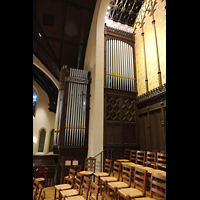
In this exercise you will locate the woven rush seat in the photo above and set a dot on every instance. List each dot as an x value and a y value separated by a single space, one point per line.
111 178
63 187
86 172
75 198
123 160
66 193
118 184
160 172
146 198
101 174
132 192
40 179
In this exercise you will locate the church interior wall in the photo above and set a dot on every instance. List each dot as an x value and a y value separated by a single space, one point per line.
94 61
42 119
150 48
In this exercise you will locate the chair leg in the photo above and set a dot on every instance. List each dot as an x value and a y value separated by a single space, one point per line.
115 193
55 195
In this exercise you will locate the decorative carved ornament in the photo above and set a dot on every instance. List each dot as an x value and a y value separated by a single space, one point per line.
152 93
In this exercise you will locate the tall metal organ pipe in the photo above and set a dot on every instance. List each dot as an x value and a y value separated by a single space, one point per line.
119 65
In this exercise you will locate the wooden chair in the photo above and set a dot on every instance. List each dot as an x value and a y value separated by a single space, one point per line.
38 193
161 161
140 158
126 174
89 167
94 191
157 187
140 179
43 179
106 180
84 189
127 154
151 159
35 189
105 196
69 185
107 170
133 156
42 196
77 187
77 168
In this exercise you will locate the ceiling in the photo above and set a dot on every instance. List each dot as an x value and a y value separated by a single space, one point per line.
60 33
124 11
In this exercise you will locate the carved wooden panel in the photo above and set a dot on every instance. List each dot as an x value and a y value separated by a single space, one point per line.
112 109
128 110
120 118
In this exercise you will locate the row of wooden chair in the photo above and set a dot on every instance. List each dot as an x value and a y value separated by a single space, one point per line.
157 160
123 189
104 177
38 192
75 188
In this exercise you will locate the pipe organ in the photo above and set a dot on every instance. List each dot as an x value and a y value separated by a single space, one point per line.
120 91
119 65
72 108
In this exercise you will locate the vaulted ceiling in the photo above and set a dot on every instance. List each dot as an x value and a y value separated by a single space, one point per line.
124 11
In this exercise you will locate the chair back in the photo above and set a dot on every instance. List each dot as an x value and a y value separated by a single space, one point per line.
107 167
161 160
85 186
35 189
140 157
151 159
42 197
158 185
127 153
78 182
45 173
133 156
94 191
90 164
40 188
105 196
71 177
117 169
127 173
140 179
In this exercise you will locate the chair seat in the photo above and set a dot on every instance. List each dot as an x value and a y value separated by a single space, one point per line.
86 172
145 198
63 187
71 192
79 197
132 192
118 184
101 174
123 160
110 178
40 179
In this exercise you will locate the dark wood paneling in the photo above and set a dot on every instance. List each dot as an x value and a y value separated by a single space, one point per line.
152 121
142 130
120 121
117 134
109 134
155 129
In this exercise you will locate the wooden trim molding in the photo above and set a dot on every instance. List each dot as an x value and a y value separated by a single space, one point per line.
156 92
